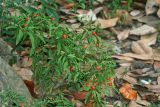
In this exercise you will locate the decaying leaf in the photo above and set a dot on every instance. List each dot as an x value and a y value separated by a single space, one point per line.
123 35
150 20
158 80
127 92
89 16
130 79
122 58
143 30
141 48
24 73
134 104
26 62
106 23
125 14
149 39
135 13
157 65
150 7
142 101
158 13
154 88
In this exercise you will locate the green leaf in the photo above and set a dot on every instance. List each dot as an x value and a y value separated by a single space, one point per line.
19 36
32 38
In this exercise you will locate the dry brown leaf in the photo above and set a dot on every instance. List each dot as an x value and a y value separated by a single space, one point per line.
153 88
156 65
123 35
123 58
158 13
157 1
130 79
26 62
141 48
97 10
158 80
137 56
142 102
149 39
134 104
24 73
143 30
120 72
106 23
124 13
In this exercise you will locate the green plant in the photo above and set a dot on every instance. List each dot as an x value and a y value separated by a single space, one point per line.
11 98
64 59
114 5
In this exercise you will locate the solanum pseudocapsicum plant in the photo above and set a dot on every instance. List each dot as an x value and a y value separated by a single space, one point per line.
65 59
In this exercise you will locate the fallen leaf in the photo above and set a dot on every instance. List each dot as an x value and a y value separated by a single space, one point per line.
127 92
156 65
142 101
123 35
150 7
79 95
133 104
153 88
143 30
31 87
158 13
135 13
122 58
137 56
106 23
150 97
89 16
150 20
26 62
97 10
149 39
158 80
124 13
157 1
129 79
141 48
24 73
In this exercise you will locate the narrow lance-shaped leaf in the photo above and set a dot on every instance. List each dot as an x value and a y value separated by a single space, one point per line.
19 36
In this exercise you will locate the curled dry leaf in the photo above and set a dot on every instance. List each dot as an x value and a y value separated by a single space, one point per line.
127 92
123 35
97 10
143 30
141 48
106 23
